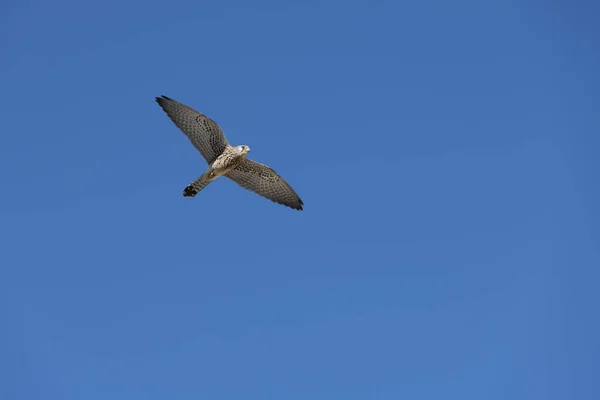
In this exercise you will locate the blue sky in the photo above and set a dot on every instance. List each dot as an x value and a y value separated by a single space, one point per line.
445 153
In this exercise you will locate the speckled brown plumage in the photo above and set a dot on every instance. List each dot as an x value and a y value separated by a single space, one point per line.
225 160
264 181
203 132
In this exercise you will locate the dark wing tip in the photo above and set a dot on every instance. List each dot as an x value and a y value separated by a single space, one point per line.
297 205
161 100
293 206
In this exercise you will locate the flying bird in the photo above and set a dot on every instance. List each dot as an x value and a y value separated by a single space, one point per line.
226 160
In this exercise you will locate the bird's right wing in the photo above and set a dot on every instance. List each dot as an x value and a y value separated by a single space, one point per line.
264 181
203 132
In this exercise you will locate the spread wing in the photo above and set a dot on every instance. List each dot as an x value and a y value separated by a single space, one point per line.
203 132
264 181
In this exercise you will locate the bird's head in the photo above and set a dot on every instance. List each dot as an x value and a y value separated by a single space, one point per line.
243 150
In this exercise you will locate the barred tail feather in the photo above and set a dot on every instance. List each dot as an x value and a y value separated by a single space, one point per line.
195 187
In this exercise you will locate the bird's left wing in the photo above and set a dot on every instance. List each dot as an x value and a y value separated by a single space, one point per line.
203 132
264 181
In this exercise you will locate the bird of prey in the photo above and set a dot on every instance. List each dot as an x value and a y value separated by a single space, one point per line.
224 159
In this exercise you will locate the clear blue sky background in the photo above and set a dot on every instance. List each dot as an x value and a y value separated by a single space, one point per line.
446 153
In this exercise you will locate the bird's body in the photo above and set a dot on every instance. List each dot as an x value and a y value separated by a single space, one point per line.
229 159
226 160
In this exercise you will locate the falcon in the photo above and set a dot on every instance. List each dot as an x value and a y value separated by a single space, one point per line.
226 160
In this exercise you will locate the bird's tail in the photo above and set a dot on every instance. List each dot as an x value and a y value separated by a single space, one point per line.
193 188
